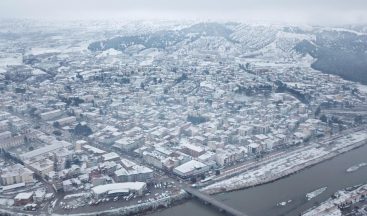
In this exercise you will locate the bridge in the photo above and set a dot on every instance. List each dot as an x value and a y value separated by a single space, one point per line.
210 200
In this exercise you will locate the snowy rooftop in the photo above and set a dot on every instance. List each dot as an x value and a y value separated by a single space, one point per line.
190 166
100 189
94 149
21 196
110 156
193 147
48 148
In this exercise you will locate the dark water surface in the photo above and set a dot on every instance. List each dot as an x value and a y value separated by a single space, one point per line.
262 200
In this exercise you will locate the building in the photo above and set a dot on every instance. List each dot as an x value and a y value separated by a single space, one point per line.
66 120
4 115
254 148
127 187
154 158
126 144
23 198
193 150
41 167
71 184
16 174
51 115
230 154
39 196
79 144
46 149
190 169
132 172
112 156
93 150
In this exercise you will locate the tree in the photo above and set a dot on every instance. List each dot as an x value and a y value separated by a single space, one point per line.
76 161
57 133
323 118
82 130
358 119
318 110
193 180
56 124
196 119
67 164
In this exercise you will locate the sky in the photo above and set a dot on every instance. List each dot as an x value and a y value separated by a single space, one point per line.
321 12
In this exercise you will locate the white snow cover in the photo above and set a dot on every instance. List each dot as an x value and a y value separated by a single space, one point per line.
288 163
110 156
22 196
190 166
135 186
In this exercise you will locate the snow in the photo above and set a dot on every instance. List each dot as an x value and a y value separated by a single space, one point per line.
344 30
93 149
22 196
10 61
110 156
135 186
13 186
6 202
72 196
46 149
288 163
42 50
190 166
193 147
362 88
329 207
38 72
109 52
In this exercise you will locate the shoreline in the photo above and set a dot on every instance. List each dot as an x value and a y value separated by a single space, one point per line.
182 196
294 170
139 209
310 164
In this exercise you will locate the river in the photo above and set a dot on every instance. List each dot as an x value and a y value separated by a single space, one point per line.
262 200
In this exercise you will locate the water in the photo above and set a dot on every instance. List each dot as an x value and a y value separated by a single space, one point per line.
262 200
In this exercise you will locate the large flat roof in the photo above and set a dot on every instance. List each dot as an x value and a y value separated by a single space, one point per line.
190 166
48 148
135 186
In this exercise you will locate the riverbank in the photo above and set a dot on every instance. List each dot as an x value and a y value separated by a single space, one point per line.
288 164
305 157
342 199
139 209
302 159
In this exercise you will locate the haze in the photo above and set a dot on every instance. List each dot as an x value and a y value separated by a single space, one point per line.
325 12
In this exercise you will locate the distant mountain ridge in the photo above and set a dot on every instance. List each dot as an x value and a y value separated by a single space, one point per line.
339 51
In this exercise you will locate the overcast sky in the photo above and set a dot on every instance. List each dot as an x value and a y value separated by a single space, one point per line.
291 11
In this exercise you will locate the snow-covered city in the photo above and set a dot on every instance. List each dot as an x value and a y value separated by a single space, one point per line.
125 117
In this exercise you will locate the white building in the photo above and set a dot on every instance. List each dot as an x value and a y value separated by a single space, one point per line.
41 167
131 172
191 168
130 187
46 149
126 144
66 120
16 174
51 115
